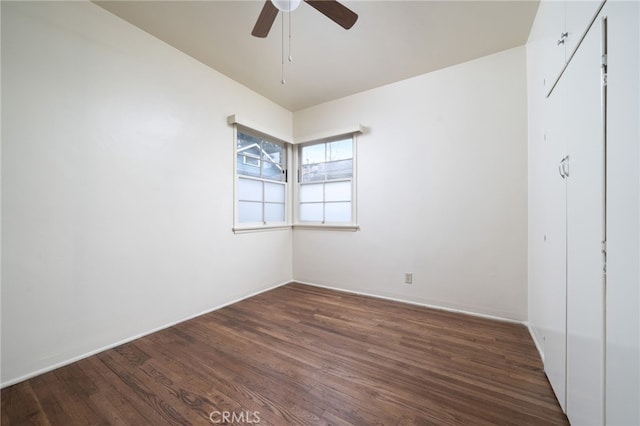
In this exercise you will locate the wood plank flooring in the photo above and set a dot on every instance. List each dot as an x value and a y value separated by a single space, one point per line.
301 355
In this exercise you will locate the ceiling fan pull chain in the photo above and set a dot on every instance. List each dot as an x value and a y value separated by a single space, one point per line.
290 18
282 49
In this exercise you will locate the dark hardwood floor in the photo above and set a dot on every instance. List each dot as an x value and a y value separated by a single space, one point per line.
302 355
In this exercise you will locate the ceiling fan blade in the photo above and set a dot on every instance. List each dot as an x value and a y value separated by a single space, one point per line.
335 11
265 20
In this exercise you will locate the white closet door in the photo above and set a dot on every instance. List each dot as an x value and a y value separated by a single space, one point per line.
623 224
585 232
555 245
551 18
578 14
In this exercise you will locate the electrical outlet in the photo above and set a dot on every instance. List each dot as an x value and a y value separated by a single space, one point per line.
408 278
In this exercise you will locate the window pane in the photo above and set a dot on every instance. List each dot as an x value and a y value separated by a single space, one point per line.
248 165
249 212
249 190
340 150
313 154
272 171
245 141
311 212
337 191
248 155
339 169
337 212
272 152
274 192
327 161
311 192
274 212
313 172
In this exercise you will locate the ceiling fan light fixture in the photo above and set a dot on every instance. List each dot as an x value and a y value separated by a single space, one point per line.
286 5
332 9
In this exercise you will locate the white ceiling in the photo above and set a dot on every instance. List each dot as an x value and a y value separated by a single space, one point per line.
392 40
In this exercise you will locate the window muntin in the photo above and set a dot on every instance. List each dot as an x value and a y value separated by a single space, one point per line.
261 180
326 181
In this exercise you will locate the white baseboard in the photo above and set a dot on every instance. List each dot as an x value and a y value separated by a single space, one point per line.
535 340
411 302
132 338
187 318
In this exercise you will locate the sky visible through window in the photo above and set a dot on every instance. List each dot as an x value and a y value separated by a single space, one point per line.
332 151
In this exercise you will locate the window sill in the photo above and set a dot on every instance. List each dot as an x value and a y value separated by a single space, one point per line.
247 229
351 228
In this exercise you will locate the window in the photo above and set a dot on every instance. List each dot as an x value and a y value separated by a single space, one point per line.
261 180
326 182
251 161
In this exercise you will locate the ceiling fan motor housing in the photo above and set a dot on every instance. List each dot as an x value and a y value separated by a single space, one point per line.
286 5
332 9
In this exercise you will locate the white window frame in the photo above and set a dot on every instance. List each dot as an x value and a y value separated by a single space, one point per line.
260 226
344 226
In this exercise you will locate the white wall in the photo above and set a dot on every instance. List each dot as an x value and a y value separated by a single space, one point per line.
535 291
117 186
442 190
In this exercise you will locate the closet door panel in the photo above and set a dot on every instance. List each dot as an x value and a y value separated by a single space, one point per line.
578 15
623 218
552 17
585 233
555 247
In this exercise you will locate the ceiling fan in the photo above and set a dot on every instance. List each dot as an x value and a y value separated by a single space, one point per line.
333 10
